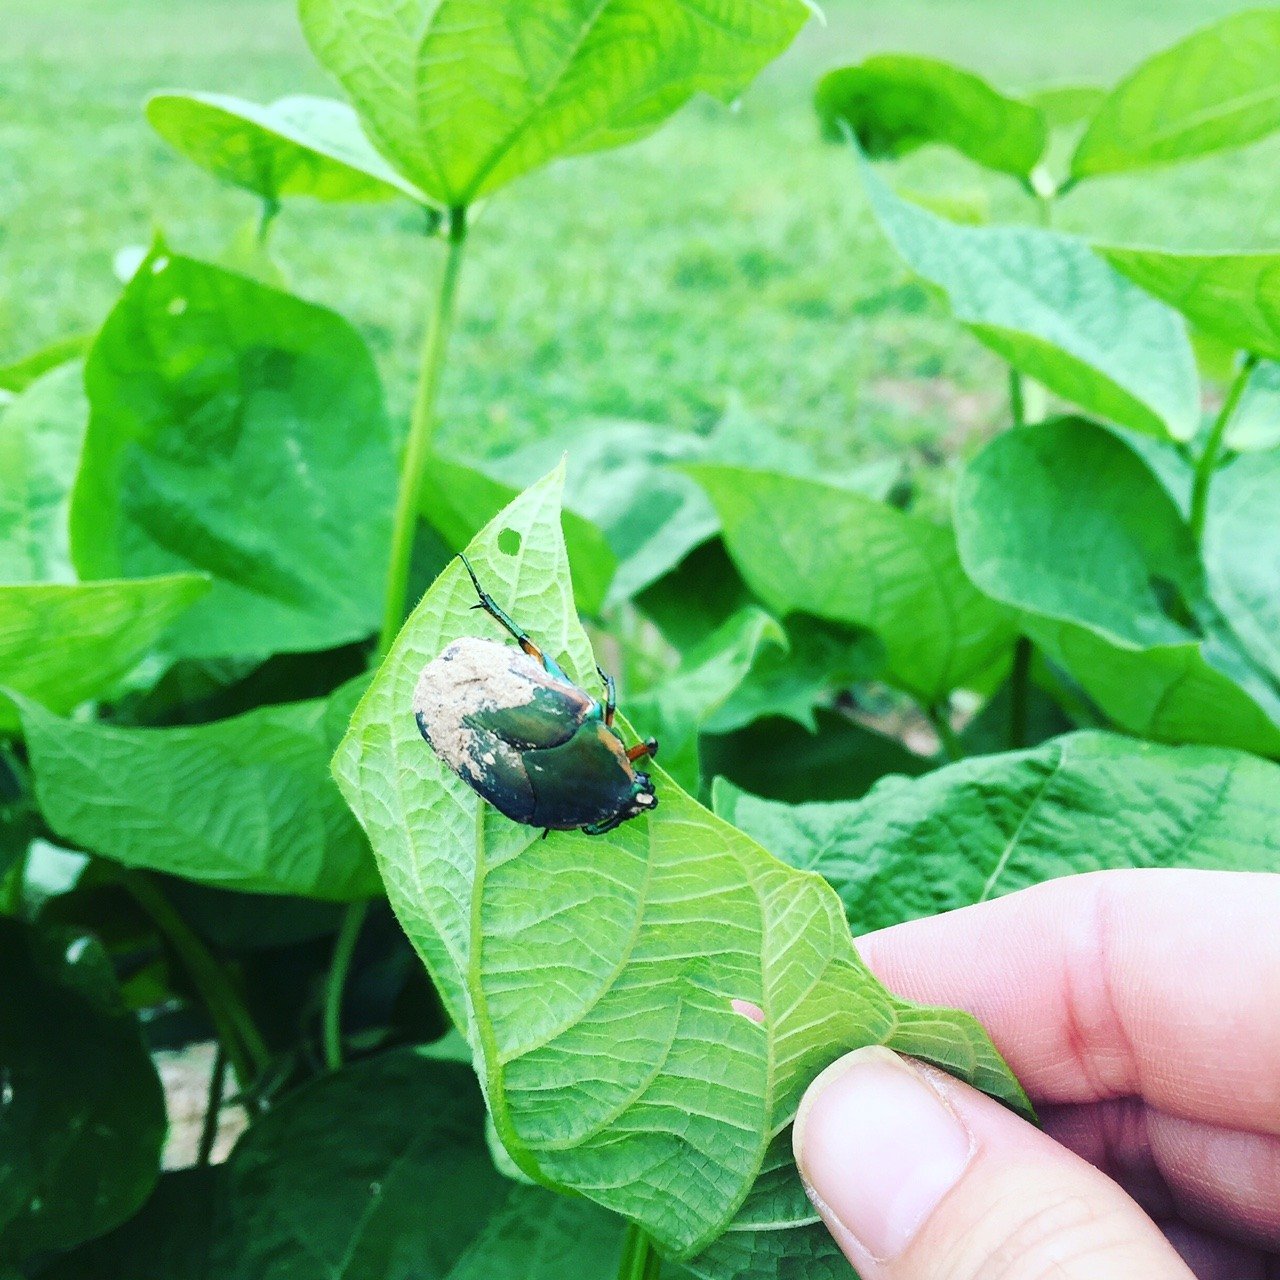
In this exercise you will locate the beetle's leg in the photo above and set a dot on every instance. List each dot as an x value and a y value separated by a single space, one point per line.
609 824
546 831
492 608
611 696
649 747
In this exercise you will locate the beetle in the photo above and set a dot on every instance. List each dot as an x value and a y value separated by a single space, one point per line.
513 725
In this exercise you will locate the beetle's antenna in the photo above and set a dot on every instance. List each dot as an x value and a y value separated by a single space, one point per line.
475 582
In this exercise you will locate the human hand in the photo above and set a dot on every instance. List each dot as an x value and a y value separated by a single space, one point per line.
1141 1011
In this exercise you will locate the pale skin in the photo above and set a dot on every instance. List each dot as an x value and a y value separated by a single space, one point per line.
1141 1011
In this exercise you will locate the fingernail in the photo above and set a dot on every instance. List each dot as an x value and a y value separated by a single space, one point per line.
878 1148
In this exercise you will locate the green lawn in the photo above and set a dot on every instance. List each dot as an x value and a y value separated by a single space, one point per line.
729 258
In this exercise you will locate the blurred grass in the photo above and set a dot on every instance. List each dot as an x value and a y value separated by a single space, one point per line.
729 258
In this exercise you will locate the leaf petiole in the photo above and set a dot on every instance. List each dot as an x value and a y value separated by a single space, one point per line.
340 966
418 446
640 1260
244 1044
1208 461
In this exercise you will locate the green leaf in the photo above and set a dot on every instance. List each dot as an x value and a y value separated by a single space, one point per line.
804 545
460 497
706 679
620 477
994 824
245 803
839 759
41 432
1215 90
1063 521
296 146
83 1117
1232 296
1255 425
542 948
20 374
895 103
64 643
818 660
1242 553
168 1239
239 431
1065 105
1053 309
380 1172
465 95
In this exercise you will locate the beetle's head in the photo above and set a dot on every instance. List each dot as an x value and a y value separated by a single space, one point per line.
642 796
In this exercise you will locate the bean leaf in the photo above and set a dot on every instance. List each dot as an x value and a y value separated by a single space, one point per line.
1232 296
83 1119
64 643
1215 90
334 1177
1242 553
1063 521
995 824
676 710
295 146
245 803
41 432
804 545
896 103
543 948
239 431
1053 309
464 96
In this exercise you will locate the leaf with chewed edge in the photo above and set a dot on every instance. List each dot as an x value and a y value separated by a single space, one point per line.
645 1007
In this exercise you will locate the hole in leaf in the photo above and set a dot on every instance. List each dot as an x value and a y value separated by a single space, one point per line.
509 542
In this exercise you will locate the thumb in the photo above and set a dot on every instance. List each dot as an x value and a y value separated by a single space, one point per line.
917 1175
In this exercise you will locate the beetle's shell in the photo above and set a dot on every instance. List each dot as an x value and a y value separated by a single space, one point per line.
536 747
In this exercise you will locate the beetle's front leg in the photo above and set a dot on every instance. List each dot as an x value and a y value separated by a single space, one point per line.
610 697
649 747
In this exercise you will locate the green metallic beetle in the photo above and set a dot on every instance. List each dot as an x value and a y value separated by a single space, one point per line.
511 724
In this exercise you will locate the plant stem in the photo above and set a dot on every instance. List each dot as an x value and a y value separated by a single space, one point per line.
639 1259
941 721
235 1026
266 219
339 967
418 446
213 1106
1017 400
1019 688
1208 462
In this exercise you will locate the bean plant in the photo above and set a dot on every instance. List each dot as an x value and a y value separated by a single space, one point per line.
456 1048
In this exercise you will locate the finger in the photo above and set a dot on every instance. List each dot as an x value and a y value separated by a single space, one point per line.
1213 1259
1225 1179
917 1175
1157 984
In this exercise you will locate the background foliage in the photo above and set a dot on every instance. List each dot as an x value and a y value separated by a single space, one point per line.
920 490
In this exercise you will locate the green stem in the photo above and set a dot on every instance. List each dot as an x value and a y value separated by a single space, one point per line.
1017 399
1019 689
939 718
266 219
340 966
640 1260
235 1026
1208 462
418 447
213 1106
